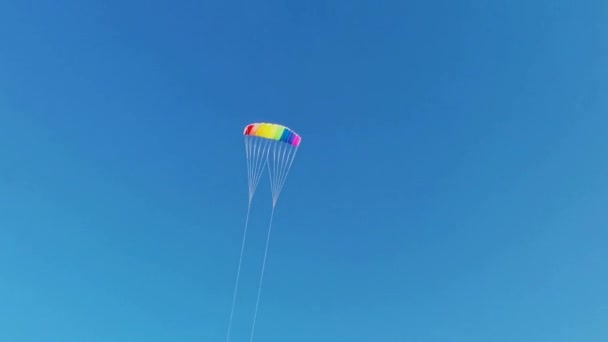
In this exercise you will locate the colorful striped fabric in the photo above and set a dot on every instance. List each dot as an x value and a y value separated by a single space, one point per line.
273 132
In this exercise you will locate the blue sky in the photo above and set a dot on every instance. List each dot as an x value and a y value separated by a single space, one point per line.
451 183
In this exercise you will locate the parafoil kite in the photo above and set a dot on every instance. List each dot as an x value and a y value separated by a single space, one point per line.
273 147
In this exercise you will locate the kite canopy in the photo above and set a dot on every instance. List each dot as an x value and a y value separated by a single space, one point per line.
273 132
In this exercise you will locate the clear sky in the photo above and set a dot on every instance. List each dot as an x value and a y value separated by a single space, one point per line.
451 184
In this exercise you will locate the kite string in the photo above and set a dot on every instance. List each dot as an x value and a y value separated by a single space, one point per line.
248 159
291 158
275 169
257 303
280 172
254 160
284 170
238 272
257 161
261 162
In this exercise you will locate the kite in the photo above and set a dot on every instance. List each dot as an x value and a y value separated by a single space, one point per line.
273 147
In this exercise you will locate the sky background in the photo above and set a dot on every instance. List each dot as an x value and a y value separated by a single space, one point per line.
451 184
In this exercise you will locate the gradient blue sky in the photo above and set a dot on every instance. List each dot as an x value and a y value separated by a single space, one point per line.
451 184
